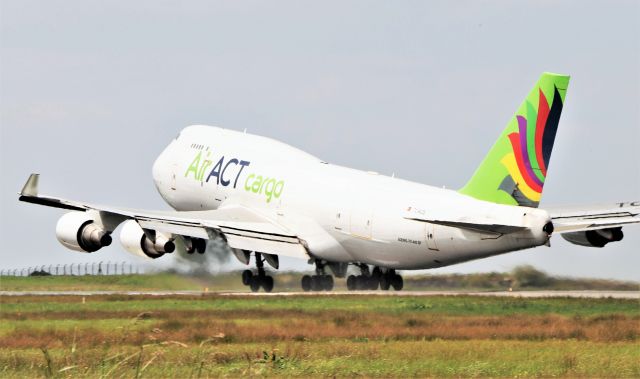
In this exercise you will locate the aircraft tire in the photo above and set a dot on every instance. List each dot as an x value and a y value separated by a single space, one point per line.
397 283
352 283
267 283
246 277
306 283
254 283
317 283
328 282
385 282
372 283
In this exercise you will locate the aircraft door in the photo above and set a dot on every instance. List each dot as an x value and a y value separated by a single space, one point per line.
431 237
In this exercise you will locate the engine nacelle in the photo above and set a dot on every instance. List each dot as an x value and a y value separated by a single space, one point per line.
135 241
80 232
595 238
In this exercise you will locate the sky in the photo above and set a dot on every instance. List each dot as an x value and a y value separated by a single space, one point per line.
92 91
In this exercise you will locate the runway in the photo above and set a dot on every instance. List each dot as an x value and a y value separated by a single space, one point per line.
515 294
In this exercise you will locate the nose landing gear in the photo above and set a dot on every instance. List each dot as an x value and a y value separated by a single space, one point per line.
261 279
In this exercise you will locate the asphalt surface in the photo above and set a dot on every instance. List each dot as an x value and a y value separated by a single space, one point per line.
521 294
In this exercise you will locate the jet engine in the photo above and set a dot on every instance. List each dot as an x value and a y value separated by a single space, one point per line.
594 238
79 231
137 242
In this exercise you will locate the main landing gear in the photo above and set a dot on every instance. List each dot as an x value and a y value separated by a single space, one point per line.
255 282
372 280
321 281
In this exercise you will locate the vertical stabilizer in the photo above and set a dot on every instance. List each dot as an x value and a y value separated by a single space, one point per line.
515 169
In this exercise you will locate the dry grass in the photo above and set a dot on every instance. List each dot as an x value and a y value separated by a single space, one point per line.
474 358
363 335
274 325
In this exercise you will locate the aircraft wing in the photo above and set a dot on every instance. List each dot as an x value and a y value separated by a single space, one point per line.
580 219
241 227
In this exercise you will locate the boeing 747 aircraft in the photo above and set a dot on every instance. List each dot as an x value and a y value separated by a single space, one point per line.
266 199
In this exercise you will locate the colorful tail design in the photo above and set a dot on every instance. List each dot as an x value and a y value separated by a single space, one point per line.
515 169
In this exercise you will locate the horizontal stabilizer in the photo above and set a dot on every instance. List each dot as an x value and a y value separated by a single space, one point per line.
577 219
483 228
474 226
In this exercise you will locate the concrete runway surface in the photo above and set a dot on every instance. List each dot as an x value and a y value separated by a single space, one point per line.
516 294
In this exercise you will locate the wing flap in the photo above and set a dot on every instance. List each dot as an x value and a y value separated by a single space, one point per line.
290 249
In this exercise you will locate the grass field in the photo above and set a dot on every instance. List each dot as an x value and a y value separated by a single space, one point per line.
355 335
521 279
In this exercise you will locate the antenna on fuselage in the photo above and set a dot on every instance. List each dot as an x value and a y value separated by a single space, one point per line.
245 131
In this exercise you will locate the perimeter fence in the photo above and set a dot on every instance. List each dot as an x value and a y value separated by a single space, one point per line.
75 269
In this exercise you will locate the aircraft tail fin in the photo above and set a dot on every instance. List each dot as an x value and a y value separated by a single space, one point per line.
515 169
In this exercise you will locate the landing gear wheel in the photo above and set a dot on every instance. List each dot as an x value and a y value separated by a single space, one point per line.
200 245
327 282
372 283
306 283
397 282
246 277
317 283
352 283
254 284
385 283
267 283
361 282
377 273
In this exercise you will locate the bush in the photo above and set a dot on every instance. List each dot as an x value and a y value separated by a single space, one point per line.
528 276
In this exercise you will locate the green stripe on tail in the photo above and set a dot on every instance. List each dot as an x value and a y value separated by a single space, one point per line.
515 169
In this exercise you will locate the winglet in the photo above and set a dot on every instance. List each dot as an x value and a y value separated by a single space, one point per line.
31 186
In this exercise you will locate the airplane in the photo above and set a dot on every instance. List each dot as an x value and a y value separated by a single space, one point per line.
266 199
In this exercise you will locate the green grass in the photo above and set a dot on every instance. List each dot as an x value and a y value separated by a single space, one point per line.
523 278
370 359
163 281
450 305
356 335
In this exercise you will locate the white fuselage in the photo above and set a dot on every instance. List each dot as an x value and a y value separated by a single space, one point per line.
363 217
